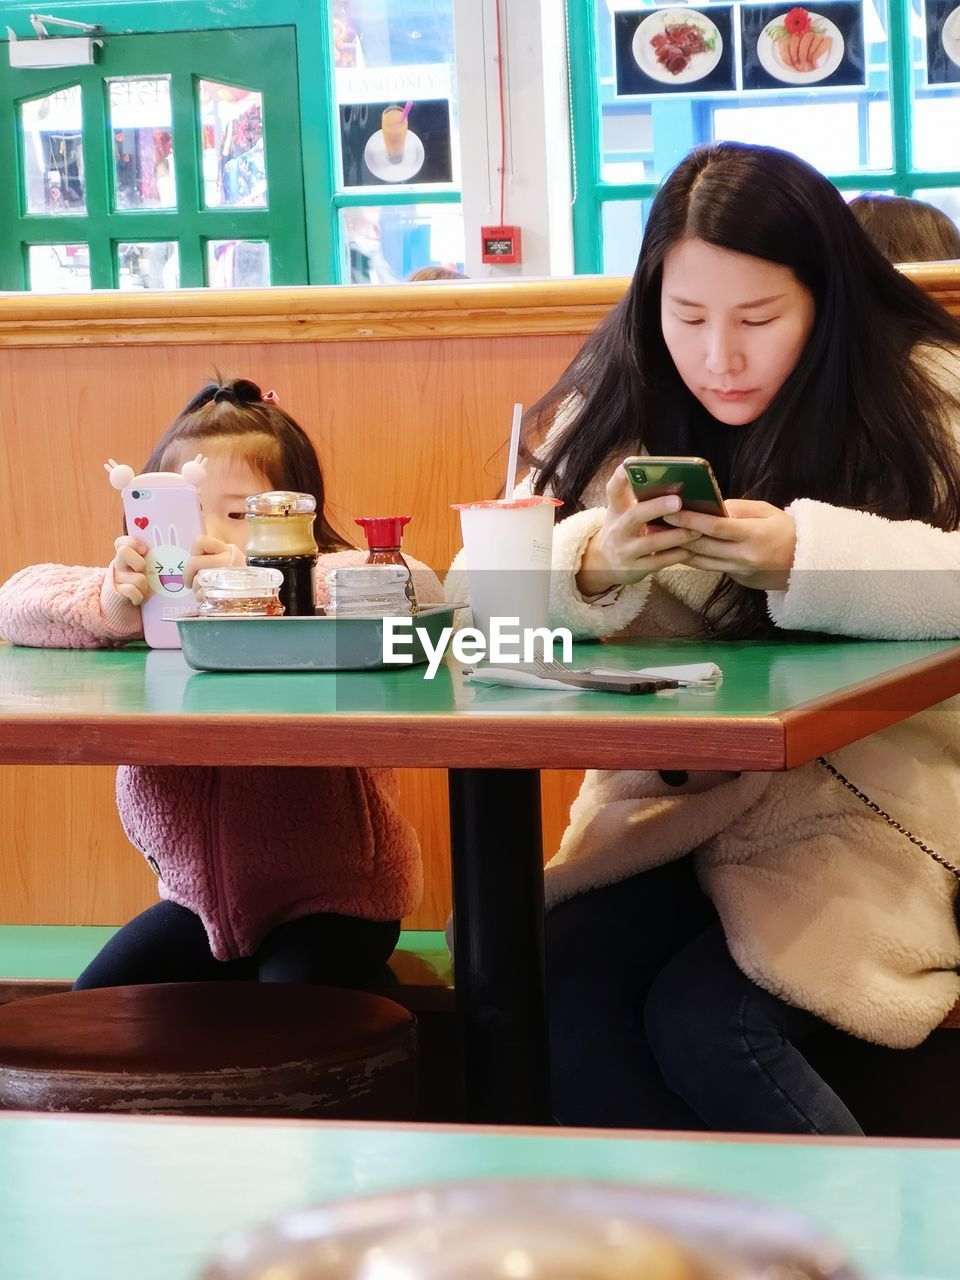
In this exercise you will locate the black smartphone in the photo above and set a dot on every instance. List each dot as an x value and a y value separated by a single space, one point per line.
691 478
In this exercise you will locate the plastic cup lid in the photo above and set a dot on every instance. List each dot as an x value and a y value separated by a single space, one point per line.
508 504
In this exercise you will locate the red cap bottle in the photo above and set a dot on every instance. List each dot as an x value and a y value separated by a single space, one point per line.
384 535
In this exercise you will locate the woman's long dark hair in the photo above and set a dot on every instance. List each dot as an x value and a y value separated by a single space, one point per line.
856 424
273 443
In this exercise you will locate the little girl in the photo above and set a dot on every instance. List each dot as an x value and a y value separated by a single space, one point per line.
281 875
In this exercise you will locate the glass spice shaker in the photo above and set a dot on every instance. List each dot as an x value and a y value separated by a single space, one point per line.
240 591
384 535
280 536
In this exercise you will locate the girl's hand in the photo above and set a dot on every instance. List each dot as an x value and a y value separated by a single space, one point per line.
755 545
127 568
210 553
626 547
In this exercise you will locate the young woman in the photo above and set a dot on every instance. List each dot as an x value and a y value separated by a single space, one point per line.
703 926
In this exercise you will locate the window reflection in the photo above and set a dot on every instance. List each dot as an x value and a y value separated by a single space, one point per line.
238 264
140 124
382 245
52 130
148 265
234 165
58 268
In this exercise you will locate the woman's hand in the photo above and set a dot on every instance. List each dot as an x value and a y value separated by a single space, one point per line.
755 545
210 553
127 568
627 546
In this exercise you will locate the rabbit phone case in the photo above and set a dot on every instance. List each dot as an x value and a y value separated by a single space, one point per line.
163 508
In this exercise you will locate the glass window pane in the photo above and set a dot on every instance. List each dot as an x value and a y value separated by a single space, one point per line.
52 130
234 164
238 264
59 268
935 56
935 120
746 95
385 57
384 245
140 124
149 265
623 224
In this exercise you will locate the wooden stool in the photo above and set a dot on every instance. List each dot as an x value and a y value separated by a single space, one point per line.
211 1048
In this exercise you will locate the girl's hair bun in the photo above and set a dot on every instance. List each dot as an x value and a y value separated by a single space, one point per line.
238 391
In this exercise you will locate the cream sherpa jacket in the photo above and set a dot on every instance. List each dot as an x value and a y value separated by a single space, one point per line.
822 903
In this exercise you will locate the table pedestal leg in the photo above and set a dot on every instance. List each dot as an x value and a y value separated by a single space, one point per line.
497 855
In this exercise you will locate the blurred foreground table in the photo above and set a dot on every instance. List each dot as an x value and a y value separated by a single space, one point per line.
109 1199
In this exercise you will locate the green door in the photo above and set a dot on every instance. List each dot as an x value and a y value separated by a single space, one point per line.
174 161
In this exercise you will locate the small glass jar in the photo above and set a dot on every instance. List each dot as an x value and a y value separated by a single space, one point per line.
239 592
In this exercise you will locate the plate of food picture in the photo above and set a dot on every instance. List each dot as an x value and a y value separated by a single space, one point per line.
950 36
677 46
800 47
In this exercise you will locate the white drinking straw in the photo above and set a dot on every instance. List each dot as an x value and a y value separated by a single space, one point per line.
514 450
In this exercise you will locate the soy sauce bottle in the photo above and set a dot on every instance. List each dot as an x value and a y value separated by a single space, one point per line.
280 536
384 535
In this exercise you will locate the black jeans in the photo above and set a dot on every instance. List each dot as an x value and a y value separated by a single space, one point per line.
653 1026
168 943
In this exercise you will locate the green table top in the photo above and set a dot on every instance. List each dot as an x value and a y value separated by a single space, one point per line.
46 692
110 1199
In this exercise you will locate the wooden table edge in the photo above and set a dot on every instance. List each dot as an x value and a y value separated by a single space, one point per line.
836 719
427 741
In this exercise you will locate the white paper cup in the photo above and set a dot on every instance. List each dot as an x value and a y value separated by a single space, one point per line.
508 548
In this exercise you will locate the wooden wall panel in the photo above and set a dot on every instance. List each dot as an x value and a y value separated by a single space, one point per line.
404 424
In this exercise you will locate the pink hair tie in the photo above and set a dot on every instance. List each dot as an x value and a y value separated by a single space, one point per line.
270 397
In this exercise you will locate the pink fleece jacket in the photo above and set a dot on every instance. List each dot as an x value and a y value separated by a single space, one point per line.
244 848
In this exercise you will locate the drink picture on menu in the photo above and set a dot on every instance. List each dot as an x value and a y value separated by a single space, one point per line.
800 46
395 142
942 21
687 49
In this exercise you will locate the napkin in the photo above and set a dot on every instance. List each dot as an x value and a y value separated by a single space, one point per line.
695 675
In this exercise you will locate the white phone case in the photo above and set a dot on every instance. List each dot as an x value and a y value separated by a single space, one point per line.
164 510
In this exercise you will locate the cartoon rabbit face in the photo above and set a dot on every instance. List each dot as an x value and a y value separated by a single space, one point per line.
165 563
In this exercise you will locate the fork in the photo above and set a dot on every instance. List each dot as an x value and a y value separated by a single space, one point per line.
611 683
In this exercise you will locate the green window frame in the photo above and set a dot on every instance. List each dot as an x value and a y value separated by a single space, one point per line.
592 192
184 59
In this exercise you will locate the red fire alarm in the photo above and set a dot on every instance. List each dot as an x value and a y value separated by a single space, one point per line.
500 244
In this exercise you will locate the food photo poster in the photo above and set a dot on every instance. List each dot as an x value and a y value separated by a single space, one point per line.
724 48
798 47
942 22
384 143
661 50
